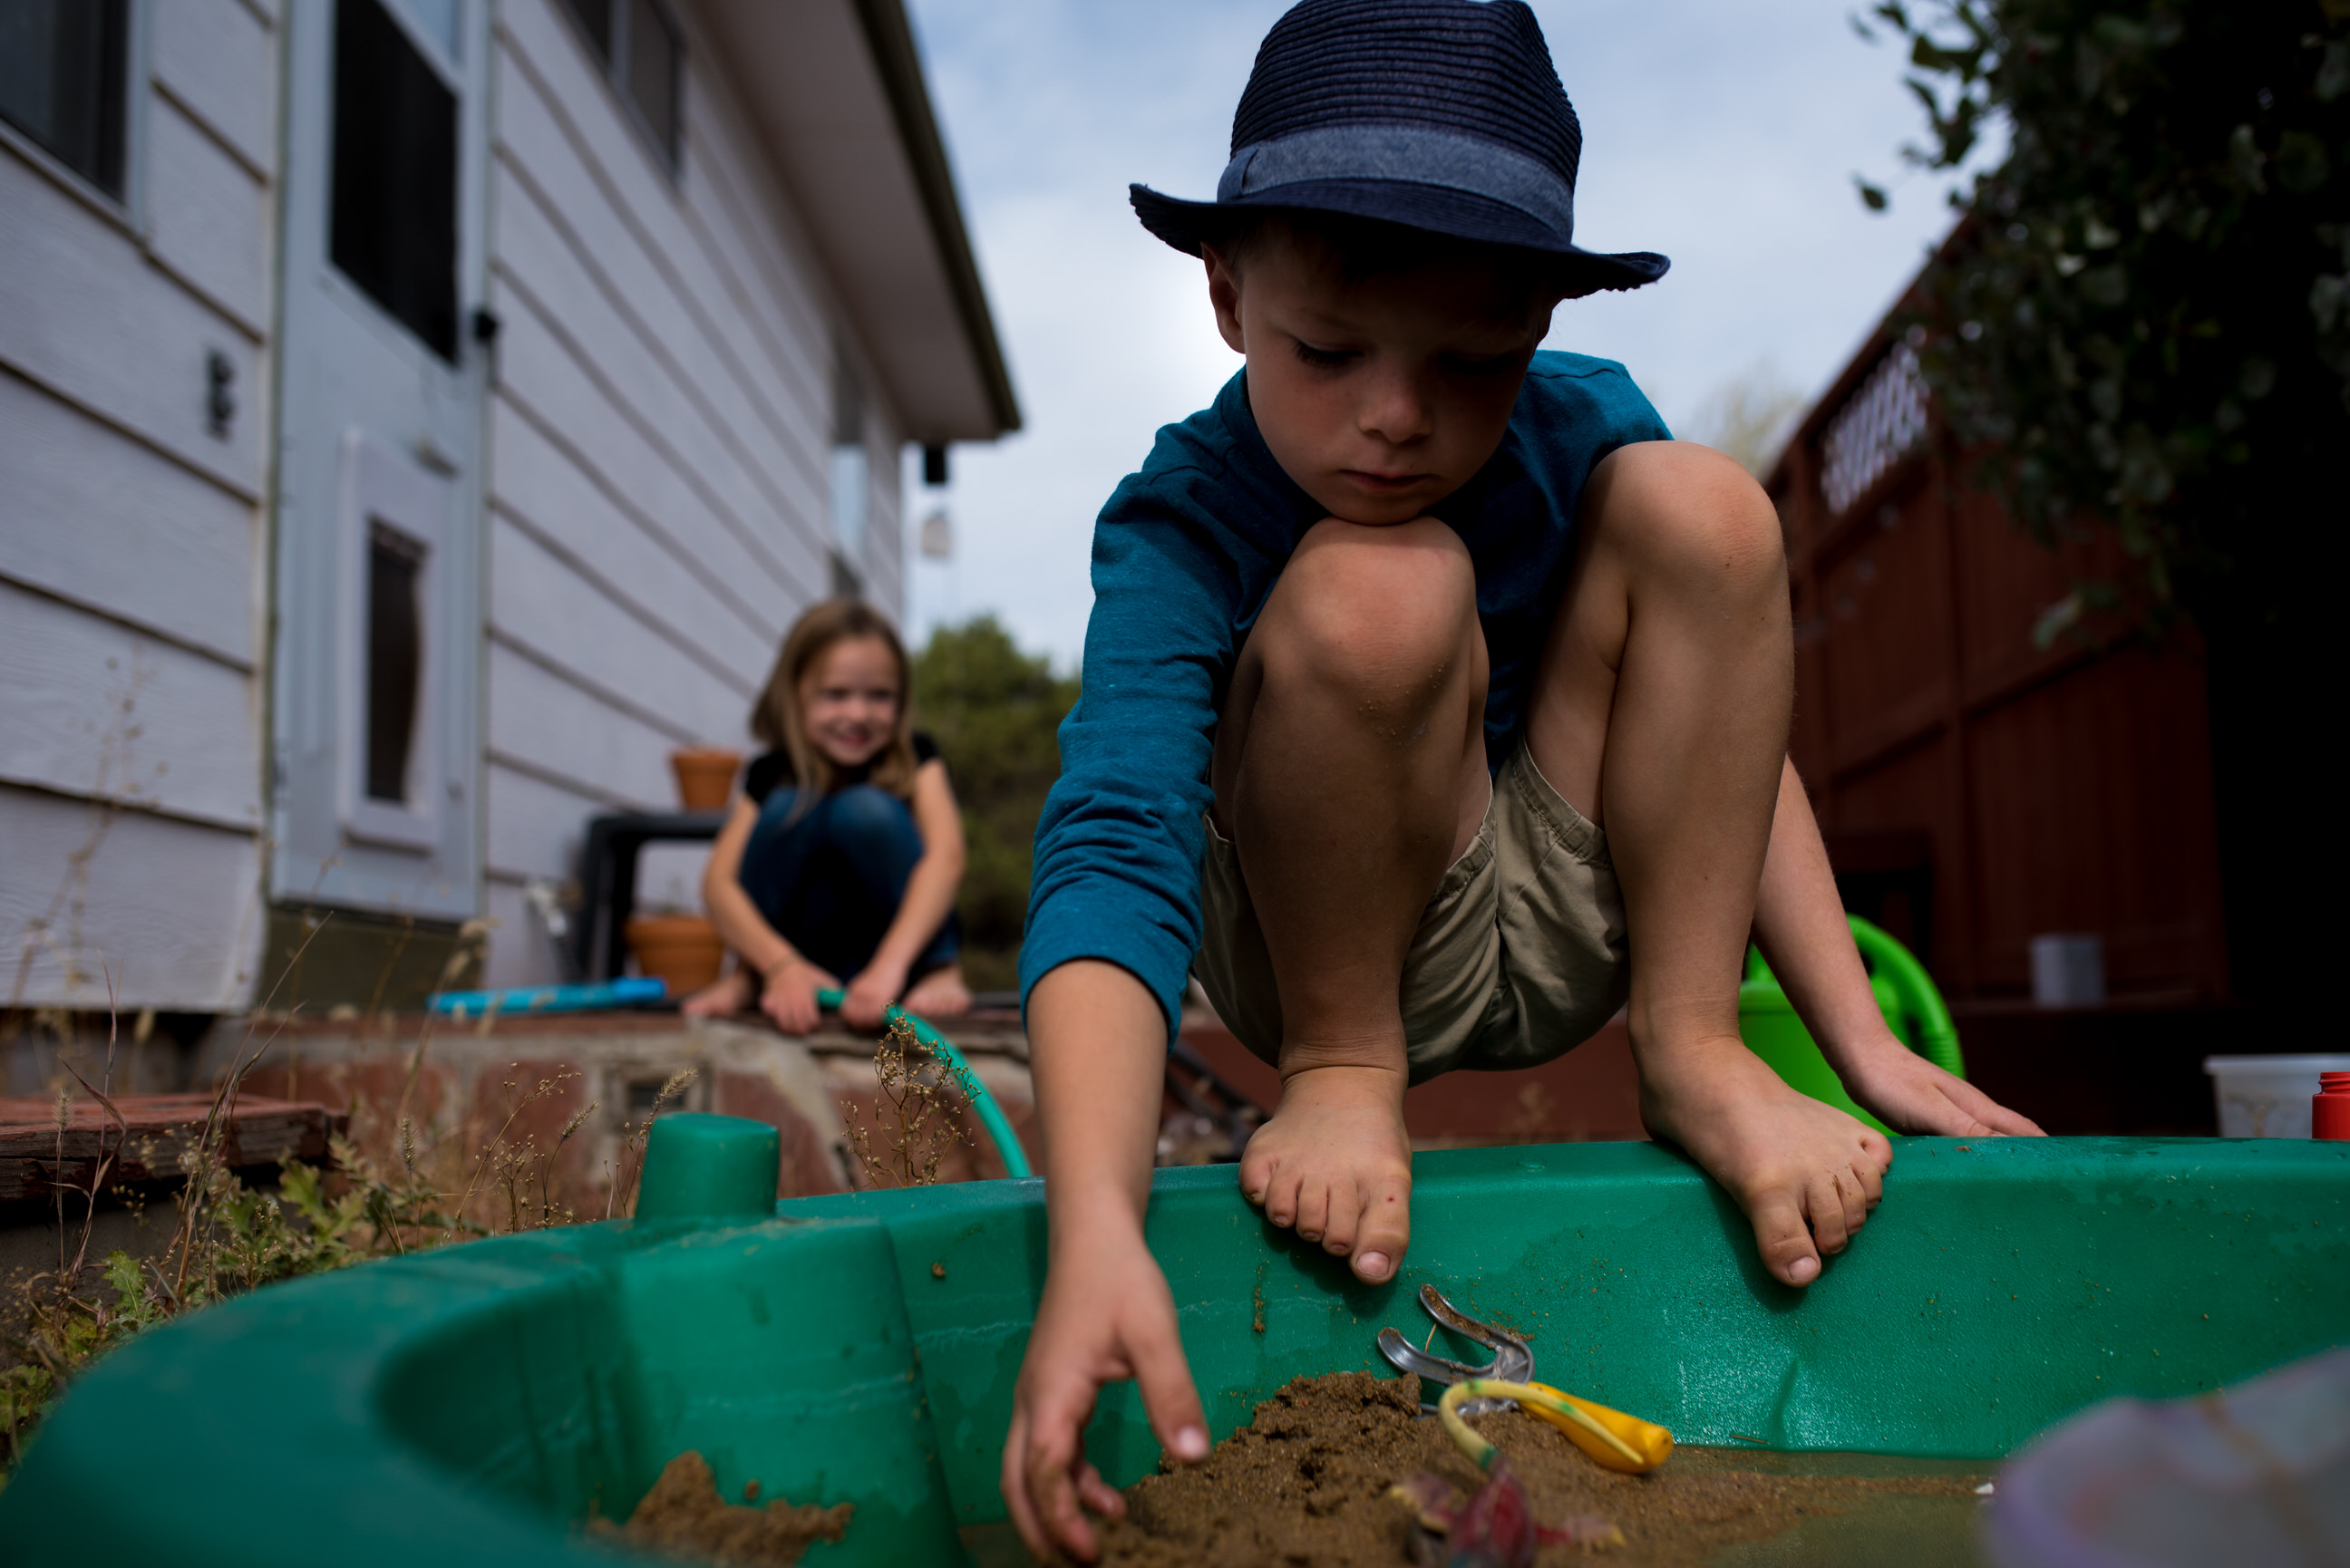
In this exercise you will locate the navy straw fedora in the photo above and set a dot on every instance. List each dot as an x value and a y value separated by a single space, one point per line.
1441 115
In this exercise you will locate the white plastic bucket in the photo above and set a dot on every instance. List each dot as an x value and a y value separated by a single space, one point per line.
2267 1097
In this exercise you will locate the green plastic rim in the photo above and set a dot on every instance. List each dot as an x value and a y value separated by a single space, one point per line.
991 1113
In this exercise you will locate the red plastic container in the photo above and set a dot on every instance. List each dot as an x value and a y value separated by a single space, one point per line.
2329 1108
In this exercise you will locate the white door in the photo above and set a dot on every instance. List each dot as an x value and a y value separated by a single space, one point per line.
376 771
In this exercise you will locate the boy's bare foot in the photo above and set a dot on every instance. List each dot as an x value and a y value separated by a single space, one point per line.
1805 1173
1335 1164
938 995
725 997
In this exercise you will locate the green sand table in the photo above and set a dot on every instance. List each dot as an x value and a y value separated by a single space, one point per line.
471 1405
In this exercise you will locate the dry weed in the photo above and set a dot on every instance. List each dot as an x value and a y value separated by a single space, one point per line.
921 1111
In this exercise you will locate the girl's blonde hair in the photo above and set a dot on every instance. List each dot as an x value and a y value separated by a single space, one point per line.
776 718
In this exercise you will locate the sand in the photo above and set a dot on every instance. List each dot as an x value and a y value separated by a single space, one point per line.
1305 1484
684 1517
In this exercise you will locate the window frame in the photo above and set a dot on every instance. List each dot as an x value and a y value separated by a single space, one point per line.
610 58
128 211
384 489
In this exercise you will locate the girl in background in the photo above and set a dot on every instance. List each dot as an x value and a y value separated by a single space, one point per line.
839 860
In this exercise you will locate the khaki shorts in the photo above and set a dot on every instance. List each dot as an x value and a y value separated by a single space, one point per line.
1520 956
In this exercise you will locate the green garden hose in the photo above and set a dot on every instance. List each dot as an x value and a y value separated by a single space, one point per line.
990 1115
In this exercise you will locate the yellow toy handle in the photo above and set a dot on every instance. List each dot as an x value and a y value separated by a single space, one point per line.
1612 1438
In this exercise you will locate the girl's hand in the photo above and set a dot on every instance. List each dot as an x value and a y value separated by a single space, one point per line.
789 997
870 994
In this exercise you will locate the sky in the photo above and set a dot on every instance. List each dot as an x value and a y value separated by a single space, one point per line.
1724 133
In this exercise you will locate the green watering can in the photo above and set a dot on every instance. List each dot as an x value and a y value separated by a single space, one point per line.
1913 1009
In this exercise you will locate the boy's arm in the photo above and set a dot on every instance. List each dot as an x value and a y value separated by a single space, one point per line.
1799 924
1098 1049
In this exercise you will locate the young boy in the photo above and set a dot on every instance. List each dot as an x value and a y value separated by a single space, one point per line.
1436 705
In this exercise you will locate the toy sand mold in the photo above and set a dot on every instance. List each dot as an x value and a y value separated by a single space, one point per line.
474 1405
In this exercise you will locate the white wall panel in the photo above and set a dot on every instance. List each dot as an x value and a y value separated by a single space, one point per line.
535 827
89 707
208 216
544 484
172 910
564 619
221 59
84 314
558 728
89 513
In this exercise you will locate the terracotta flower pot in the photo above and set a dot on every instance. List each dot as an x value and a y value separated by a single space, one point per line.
684 950
705 777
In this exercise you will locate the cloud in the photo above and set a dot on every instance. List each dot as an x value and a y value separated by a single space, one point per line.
1723 133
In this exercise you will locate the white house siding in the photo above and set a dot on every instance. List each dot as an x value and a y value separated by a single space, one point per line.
130 787
659 451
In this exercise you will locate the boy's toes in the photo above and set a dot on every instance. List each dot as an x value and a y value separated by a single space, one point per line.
1313 1207
1258 1169
1386 1232
1345 1219
1824 1200
1784 1239
1856 1200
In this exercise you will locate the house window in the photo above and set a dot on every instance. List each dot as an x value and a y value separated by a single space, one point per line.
395 660
642 54
852 477
61 81
394 228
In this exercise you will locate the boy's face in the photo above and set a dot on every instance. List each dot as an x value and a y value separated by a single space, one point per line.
1379 396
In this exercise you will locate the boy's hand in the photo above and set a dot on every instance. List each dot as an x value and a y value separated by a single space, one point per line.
1107 1315
1910 1095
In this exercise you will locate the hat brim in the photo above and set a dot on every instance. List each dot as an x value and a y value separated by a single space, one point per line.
1187 226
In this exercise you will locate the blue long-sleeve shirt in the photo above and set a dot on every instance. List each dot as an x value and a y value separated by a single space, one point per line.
1185 553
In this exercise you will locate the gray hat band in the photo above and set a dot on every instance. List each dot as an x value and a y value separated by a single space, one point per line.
1407 155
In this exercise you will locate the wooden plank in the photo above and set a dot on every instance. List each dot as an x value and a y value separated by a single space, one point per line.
171 908
645 379
91 708
89 513
540 603
535 827
571 735
220 60
82 313
209 218
538 45
2095 796
543 486
540 369
145 1144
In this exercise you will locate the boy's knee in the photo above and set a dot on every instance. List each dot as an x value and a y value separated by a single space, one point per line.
1689 512
1385 612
